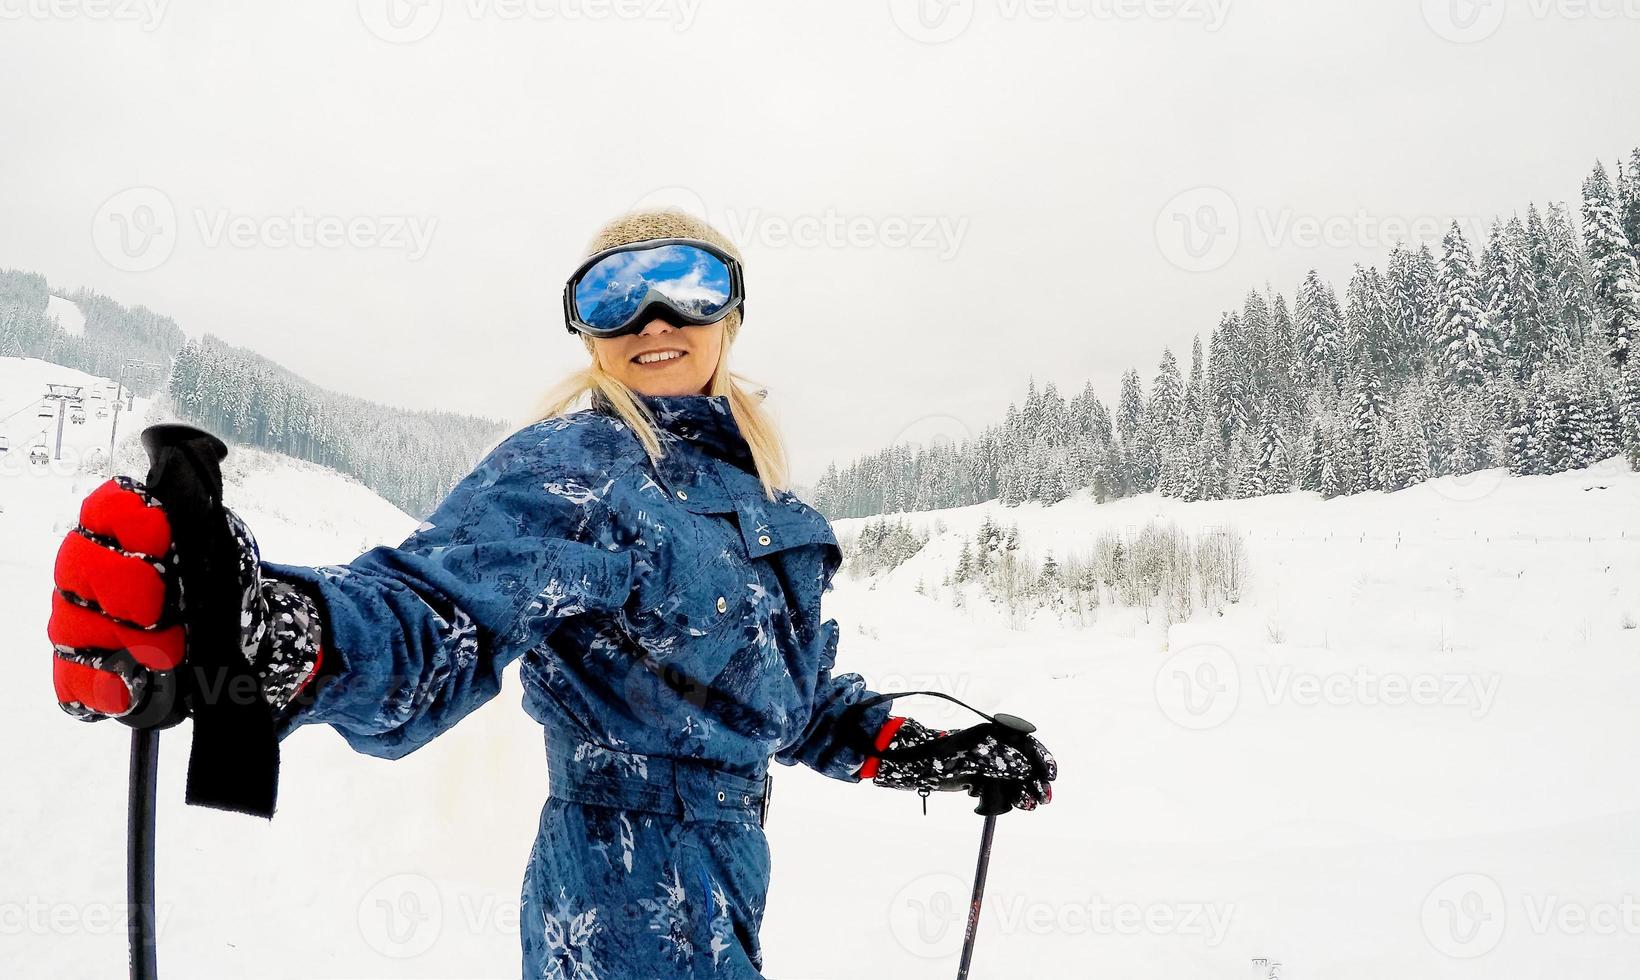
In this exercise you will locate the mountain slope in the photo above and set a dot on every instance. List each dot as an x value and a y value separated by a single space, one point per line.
1209 812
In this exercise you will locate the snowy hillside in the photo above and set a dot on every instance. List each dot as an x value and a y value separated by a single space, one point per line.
1405 752
68 315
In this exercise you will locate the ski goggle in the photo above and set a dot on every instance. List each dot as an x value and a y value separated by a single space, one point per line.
681 280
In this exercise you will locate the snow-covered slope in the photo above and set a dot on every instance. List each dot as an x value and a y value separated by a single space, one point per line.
68 315
1405 753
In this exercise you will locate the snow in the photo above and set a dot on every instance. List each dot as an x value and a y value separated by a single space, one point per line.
22 383
1407 753
68 315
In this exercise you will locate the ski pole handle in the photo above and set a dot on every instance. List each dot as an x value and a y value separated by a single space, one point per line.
185 476
234 760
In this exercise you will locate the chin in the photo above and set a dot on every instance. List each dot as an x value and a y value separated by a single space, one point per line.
663 389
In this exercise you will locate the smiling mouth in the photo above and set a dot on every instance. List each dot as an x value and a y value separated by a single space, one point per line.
659 356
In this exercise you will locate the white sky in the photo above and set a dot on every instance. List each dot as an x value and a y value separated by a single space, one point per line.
1048 144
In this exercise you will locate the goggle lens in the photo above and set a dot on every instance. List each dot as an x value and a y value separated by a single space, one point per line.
612 292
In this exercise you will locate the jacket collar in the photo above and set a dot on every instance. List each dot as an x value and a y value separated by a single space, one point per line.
703 421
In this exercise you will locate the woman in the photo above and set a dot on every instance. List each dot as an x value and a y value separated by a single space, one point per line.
658 586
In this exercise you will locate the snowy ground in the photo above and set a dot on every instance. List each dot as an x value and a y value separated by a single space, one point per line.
1405 754
68 315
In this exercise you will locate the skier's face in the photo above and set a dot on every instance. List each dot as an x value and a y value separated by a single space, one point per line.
691 356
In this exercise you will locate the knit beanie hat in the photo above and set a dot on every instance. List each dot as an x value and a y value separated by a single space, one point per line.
651 223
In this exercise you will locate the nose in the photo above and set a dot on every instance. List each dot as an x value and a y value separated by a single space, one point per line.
655 326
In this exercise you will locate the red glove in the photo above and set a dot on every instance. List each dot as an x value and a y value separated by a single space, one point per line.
113 614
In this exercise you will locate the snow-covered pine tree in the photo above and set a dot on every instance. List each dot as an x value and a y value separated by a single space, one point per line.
1165 413
1210 468
1137 447
1335 476
1515 307
1573 301
1615 275
1408 452
1407 317
1257 346
1541 260
1629 411
1283 353
1273 470
1629 203
1320 330
1366 320
1316 457
1465 345
1226 377
1366 415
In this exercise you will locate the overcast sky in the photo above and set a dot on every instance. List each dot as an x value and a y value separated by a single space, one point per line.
936 202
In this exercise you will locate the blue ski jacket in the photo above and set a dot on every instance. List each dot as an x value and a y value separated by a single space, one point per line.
666 618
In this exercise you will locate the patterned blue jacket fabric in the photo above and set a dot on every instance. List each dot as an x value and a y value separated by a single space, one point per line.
666 618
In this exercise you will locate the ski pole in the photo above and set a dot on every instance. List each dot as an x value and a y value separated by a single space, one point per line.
978 896
139 855
184 474
992 803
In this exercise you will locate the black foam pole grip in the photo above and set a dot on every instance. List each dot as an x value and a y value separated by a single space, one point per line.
234 761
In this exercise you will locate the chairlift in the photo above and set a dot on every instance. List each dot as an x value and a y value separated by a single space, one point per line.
38 455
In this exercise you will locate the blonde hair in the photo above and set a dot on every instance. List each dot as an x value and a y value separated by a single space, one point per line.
756 425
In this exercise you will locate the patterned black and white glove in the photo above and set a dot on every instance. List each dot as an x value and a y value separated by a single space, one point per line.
279 624
956 760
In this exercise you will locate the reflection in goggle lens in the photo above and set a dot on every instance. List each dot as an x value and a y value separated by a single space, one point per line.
611 293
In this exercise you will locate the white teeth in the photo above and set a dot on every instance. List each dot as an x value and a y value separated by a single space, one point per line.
664 355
